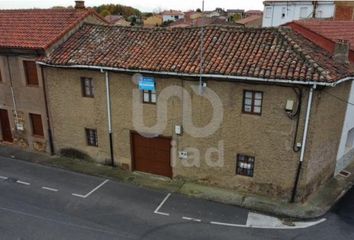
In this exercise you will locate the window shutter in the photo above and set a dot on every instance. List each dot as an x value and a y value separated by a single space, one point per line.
37 126
31 72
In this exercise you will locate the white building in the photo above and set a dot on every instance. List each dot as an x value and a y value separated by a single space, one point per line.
346 146
172 15
277 13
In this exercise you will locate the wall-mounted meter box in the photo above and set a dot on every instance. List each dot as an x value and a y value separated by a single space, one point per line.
289 106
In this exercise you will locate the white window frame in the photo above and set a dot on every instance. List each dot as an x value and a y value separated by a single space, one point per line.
268 12
149 96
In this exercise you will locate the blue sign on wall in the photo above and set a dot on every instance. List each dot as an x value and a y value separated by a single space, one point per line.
147 84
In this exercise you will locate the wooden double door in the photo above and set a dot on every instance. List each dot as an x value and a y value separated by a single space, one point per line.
5 126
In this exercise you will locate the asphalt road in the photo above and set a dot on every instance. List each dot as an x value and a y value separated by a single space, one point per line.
38 202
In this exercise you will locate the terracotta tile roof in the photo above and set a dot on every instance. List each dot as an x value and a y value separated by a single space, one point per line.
202 22
37 28
330 29
232 51
249 19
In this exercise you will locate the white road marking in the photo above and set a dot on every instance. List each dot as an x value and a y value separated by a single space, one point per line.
157 210
92 191
50 189
23 183
256 220
260 221
3 178
192 219
228 224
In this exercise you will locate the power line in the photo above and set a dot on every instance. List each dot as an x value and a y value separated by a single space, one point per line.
340 99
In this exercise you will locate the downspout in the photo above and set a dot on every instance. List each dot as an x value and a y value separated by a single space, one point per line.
303 145
109 116
12 90
50 134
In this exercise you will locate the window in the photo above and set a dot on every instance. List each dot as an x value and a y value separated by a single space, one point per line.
149 97
87 87
245 165
30 68
283 12
350 140
91 137
37 127
268 12
319 14
252 102
303 12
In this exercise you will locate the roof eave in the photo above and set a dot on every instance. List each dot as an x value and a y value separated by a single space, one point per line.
215 76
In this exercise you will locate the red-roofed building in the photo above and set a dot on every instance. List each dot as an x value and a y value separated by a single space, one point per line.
325 33
26 35
264 84
254 21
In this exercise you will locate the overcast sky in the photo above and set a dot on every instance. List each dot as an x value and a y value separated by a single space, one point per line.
143 5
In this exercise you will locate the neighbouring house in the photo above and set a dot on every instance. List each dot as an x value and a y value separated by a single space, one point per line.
117 20
344 11
153 21
326 34
235 14
277 13
24 36
206 21
171 15
253 21
253 12
266 118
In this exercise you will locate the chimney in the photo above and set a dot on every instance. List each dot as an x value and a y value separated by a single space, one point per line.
79 4
341 51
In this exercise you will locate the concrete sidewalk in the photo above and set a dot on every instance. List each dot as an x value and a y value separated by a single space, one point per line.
316 206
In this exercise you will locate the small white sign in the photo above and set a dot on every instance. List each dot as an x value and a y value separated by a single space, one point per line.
20 127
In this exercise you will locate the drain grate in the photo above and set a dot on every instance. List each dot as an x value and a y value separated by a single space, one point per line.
344 173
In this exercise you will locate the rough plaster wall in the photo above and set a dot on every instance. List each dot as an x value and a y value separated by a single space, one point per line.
325 132
29 99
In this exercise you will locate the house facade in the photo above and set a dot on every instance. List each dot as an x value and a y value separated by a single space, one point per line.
262 123
277 13
23 110
325 34
171 15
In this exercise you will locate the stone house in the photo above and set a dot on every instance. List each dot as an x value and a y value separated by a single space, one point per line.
24 36
257 114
